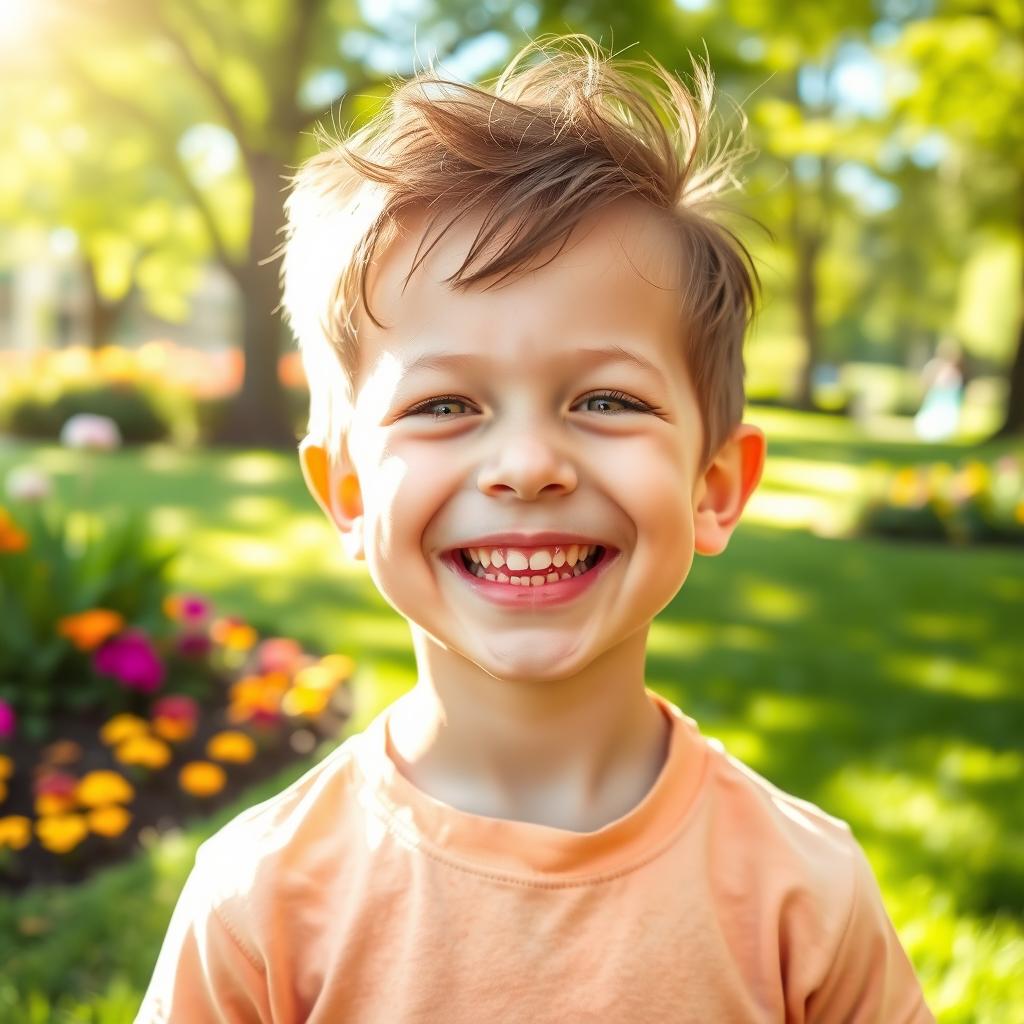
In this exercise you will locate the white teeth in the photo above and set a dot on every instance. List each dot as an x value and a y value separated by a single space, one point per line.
485 558
540 560
497 558
572 555
552 577
517 560
559 559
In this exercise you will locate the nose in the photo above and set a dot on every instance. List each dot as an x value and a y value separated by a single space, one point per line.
527 466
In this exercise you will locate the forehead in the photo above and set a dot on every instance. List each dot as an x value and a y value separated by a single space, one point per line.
617 280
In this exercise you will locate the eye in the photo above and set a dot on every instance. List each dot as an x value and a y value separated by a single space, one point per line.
631 404
443 401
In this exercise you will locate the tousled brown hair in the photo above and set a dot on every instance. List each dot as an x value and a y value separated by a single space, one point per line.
567 129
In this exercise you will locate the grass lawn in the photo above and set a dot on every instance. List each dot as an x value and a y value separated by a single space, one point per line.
879 680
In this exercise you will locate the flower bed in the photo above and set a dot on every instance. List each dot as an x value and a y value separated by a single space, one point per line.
973 503
127 708
100 786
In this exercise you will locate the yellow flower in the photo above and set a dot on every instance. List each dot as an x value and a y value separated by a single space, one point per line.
905 488
318 677
148 751
1018 512
121 727
303 700
3 791
87 630
15 832
202 778
231 745
110 820
341 664
174 730
976 476
103 787
62 832
6 767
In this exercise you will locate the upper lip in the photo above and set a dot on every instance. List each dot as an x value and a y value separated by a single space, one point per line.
530 540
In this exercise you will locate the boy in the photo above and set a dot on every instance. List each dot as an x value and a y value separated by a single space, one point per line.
523 331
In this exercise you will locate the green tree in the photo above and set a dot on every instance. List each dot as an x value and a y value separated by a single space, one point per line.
961 73
264 73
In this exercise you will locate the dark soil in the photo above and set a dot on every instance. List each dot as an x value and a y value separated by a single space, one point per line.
160 805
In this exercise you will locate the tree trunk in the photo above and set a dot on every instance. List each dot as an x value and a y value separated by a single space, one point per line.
806 243
103 315
258 414
1014 421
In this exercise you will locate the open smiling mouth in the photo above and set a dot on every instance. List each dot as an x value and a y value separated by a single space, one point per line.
578 561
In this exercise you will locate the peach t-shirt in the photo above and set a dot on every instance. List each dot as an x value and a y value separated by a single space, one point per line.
353 897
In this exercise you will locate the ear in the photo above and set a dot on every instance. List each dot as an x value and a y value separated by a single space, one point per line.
335 487
727 483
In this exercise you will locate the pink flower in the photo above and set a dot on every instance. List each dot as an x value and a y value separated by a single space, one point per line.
131 659
7 720
279 654
193 609
177 706
87 430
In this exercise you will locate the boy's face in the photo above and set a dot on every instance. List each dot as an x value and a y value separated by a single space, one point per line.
523 436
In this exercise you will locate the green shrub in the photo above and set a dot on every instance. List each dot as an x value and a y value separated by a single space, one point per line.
138 412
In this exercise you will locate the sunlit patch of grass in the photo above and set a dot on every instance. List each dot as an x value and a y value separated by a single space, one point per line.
946 675
878 680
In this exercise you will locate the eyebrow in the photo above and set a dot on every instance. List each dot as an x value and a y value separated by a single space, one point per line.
598 356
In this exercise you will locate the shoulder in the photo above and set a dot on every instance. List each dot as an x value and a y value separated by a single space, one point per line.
800 865
803 869
278 842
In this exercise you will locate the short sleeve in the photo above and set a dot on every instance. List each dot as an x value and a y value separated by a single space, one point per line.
871 979
202 974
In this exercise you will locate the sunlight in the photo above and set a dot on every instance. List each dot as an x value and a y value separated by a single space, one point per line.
17 22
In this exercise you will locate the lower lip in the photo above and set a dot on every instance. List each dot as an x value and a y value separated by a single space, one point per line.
510 595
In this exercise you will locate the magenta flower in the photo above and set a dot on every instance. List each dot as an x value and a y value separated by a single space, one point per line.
7 720
193 645
131 659
193 609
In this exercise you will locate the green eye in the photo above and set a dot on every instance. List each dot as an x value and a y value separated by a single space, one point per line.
424 407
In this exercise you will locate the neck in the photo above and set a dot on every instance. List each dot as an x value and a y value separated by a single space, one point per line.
575 753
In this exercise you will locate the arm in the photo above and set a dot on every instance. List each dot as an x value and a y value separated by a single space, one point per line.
203 975
871 980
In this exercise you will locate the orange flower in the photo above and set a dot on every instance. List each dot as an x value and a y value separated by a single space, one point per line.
174 730
6 767
87 630
47 804
15 832
103 787
62 832
148 751
202 778
3 791
62 752
231 745
110 820
11 537
233 633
